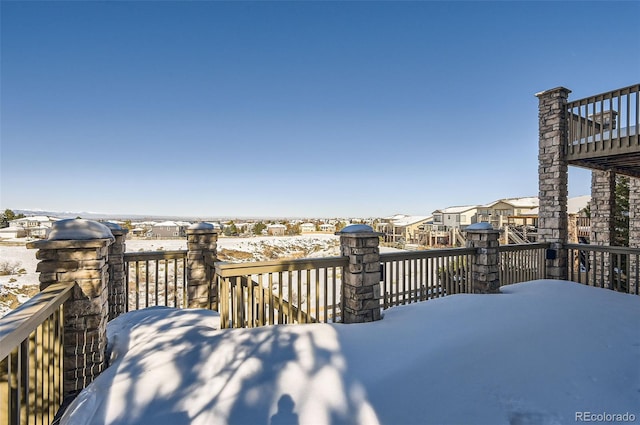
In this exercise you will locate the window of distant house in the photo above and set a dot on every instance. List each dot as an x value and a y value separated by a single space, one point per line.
457 219
175 233
168 228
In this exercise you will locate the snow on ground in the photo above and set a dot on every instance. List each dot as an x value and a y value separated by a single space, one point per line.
536 354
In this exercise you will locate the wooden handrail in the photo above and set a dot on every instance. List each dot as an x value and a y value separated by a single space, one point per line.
16 326
154 255
224 269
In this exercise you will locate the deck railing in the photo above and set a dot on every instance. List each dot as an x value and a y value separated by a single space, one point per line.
413 276
277 292
616 268
31 358
603 124
155 278
521 263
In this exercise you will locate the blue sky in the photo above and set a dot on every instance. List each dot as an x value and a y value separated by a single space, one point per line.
318 109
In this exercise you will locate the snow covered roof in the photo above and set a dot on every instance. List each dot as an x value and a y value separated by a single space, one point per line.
578 203
527 202
166 224
173 366
38 218
574 205
276 226
457 210
411 219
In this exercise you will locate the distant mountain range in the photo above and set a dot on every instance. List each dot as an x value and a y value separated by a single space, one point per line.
138 217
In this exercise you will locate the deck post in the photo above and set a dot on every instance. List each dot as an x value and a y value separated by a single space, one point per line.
361 278
634 234
117 283
77 251
202 245
485 278
553 178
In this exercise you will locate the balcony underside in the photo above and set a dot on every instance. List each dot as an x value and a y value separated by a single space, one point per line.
626 164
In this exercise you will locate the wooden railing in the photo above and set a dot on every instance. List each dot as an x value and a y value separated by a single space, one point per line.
277 292
616 268
521 263
583 225
604 124
31 358
413 276
155 278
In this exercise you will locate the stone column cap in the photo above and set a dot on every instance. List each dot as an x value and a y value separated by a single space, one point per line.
358 230
115 228
556 89
78 229
481 228
201 228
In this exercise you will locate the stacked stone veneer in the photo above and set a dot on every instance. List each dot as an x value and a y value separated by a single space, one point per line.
202 243
117 284
603 186
552 172
484 264
84 263
634 232
361 278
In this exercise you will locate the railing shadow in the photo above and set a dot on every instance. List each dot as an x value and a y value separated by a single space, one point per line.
228 376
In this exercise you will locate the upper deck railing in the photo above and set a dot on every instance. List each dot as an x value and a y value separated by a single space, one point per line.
606 124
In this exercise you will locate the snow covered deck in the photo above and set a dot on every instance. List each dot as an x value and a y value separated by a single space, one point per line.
540 352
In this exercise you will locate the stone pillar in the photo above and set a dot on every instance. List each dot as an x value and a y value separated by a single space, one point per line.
202 244
634 233
484 264
603 187
76 251
361 278
552 177
117 282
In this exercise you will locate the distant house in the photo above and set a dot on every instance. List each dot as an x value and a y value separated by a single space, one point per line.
169 229
276 229
37 226
455 217
12 232
512 211
138 231
307 228
401 228
328 228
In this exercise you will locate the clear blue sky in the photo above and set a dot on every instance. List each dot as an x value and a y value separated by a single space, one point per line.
292 108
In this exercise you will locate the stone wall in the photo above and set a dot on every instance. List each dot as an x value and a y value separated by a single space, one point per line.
553 172
117 283
484 264
361 278
202 243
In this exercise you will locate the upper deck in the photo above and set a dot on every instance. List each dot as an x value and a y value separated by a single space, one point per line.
603 131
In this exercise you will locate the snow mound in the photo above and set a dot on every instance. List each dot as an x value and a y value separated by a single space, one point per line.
538 353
